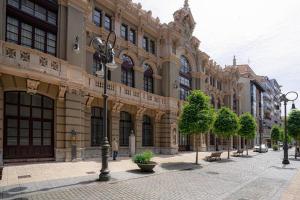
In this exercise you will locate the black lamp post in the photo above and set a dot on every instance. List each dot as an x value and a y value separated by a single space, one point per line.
104 57
284 99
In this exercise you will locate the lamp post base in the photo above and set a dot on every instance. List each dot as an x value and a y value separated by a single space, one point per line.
285 162
104 176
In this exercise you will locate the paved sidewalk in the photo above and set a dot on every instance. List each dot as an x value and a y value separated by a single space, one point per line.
27 178
293 190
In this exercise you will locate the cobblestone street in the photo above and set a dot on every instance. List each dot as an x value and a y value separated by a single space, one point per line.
261 176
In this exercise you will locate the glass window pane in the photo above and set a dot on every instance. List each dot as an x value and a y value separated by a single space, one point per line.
12 132
36 100
51 43
24 141
48 103
47 114
27 6
11 110
97 17
52 17
12 123
12 30
14 3
39 39
24 123
40 12
26 34
24 132
24 111
11 97
47 125
36 125
24 98
12 141
36 112
47 133
37 141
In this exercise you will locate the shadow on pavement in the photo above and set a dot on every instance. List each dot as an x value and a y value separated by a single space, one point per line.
138 171
180 166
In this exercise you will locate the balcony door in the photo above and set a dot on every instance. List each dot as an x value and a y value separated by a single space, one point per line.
28 126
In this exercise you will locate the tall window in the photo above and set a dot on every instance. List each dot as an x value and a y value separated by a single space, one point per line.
212 101
152 47
124 31
96 126
147 137
125 128
97 17
132 36
185 78
148 78
32 24
107 23
127 71
145 43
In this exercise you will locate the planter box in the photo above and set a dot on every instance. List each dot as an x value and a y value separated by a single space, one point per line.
147 167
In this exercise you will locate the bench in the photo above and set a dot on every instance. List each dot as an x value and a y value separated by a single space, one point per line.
214 156
238 153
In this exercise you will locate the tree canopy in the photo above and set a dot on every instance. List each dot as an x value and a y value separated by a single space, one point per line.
276 134
226 123
247 126
293 125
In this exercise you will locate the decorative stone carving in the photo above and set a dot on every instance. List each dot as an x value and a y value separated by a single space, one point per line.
25 56
54 65
43 61
32 86
117 106
158 116
62 92
89 100
11 53
140 112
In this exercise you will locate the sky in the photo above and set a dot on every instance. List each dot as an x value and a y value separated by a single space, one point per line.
262 33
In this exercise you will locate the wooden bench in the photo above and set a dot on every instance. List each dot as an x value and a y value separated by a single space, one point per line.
214 156
238 152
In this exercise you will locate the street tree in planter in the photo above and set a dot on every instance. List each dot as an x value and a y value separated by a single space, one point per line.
197 116
247 128
275 134
226 125
293 127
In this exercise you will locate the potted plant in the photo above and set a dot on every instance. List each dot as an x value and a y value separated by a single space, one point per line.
275 147
143 161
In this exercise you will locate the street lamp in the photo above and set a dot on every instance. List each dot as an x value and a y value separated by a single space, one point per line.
284 99
104 56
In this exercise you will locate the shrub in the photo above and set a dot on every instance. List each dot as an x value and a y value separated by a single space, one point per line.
275 147
143 158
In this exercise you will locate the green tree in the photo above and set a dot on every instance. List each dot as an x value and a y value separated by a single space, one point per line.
293 127
276 134
247 128
226 125
197 116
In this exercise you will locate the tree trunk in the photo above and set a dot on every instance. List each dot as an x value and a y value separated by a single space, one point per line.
296 150
228 147
197 138
246 141
217 147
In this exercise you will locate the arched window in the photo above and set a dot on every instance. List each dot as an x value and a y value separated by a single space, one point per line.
219 103
235 103
148 78
96 126
185 78
127 71
212 101
147 138
125 128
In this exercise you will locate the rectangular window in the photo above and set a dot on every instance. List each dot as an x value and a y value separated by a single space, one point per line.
39 39
152 46
52 17
12 30
124 31
107 23
51 43
97 17
26 35
132 36
145 44
14 3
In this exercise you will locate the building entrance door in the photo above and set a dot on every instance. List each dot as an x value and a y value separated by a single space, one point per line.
28 126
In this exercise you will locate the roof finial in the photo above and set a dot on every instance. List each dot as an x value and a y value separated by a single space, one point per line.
234 61
186 3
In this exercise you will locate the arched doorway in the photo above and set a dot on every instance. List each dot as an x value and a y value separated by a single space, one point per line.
28 126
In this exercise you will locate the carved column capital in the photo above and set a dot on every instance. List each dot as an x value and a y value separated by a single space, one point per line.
117 107
62 92
158 116
32 86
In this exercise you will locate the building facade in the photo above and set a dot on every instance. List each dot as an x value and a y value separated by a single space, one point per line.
271 104
51 99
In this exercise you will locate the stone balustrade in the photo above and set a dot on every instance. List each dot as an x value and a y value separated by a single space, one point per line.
15 57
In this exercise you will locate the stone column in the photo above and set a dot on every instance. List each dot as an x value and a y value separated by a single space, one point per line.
115 121
157 131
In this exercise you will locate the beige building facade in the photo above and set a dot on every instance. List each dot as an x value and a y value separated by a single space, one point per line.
51 99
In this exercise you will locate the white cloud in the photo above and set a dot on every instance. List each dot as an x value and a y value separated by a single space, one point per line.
265 32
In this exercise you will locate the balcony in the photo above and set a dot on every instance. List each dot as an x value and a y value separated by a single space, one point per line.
30 63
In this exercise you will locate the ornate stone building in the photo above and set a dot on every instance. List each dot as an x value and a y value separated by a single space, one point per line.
51 100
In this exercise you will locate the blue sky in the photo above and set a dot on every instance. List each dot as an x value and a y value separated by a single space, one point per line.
263 33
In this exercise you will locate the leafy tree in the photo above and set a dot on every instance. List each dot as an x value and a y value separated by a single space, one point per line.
276 134
226 125
293 127
247 128
197 116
